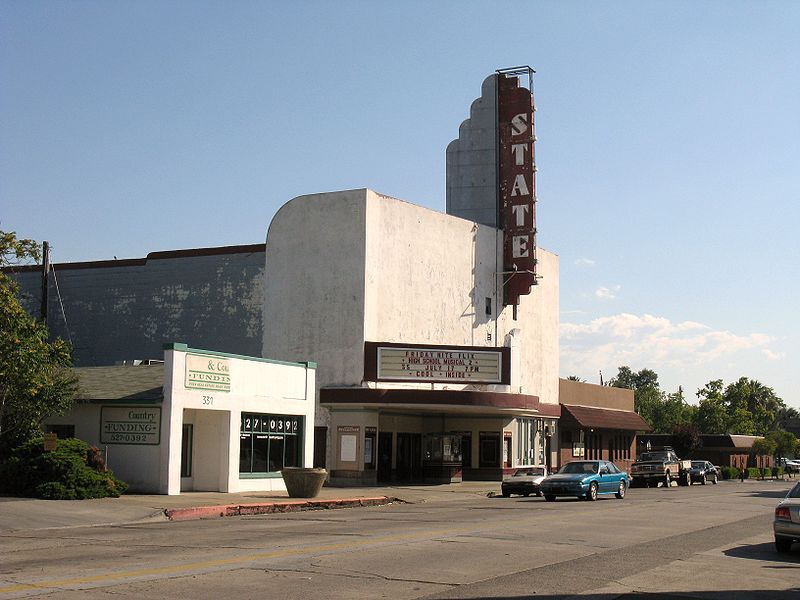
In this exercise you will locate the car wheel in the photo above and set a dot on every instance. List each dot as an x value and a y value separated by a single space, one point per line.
549 498
714 479
667 480
703 480
591 495
783 544
526 494
621 491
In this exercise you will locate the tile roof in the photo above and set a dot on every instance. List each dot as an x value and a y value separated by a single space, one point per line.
604 418
121 382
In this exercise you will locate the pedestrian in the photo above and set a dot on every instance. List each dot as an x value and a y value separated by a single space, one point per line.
741 472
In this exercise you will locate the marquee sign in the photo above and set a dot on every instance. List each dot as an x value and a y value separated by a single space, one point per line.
517 178
443 364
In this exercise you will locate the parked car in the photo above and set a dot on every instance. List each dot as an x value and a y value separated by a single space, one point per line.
789 465
786 525
586 479
525 481
703 471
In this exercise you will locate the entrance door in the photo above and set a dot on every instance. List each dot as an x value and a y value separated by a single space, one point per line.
384 456
409 456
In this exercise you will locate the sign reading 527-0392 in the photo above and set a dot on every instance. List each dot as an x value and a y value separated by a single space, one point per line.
206 372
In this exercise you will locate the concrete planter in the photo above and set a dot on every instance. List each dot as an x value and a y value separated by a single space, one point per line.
303 482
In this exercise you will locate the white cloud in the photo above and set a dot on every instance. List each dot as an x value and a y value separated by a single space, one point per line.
585 262
607 293
773 355
648 341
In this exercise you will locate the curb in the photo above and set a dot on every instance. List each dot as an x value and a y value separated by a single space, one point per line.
268 508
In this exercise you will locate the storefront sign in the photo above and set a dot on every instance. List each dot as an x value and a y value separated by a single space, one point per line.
205 372
50 442
139 425
578 449
348 442
457 366
517 194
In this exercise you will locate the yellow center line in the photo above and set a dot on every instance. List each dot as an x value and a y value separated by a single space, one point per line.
206 564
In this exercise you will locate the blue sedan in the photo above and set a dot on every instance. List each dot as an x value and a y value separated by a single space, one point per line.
586 479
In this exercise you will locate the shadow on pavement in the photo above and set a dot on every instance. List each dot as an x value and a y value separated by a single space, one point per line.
766 552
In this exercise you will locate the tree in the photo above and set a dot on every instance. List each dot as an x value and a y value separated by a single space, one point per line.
574 378
763 447
786 444
758 400
35 377
686 439
644 379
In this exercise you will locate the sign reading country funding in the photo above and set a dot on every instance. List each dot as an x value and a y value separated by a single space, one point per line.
130 425
423 364
206 372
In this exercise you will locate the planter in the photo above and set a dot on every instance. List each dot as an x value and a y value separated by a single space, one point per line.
303 482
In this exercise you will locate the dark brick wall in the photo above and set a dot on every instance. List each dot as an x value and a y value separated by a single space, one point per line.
207 298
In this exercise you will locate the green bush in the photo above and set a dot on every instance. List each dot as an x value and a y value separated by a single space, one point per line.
730 472
777 471
753 472
73 471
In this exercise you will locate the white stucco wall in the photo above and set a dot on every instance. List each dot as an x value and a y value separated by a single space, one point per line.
347 267
256 386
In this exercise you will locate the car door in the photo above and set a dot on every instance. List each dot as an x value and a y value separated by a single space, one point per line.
607 479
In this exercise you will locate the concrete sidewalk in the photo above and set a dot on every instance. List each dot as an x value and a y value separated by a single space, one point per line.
27 513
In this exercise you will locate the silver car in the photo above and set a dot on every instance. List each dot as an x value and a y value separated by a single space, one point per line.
787 520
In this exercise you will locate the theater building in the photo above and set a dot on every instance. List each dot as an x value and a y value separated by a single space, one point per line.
434 335
423 374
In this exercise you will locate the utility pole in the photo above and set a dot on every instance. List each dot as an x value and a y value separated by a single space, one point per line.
45 278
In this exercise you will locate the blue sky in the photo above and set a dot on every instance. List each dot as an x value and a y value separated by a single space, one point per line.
669 139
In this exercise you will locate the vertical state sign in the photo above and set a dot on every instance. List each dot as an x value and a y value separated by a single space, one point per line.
517 187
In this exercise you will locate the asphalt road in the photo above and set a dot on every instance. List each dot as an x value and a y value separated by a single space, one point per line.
710 542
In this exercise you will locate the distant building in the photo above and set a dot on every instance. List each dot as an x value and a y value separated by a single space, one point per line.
114 311
598 422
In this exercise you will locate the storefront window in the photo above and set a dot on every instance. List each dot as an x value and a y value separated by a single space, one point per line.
268 443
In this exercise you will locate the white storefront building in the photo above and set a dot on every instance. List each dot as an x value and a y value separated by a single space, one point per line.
201 421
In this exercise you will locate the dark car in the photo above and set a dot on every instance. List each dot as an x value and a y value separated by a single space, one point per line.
703 471
586 479
525 481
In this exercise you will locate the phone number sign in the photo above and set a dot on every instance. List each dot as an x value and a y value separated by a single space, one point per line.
139 425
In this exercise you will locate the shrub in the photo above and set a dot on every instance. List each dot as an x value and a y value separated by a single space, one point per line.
73 471
730 472
753 472
777 471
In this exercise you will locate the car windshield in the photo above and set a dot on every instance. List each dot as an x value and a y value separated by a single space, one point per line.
653 456
794 492
698 464
579 467
530 472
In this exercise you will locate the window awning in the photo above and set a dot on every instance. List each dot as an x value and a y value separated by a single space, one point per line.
603 418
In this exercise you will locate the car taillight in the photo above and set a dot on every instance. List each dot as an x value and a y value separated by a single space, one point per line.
782 512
